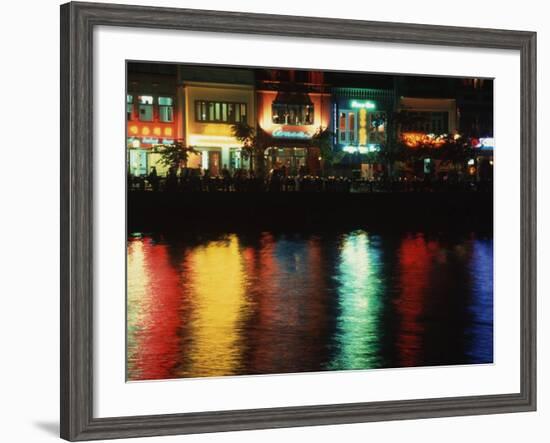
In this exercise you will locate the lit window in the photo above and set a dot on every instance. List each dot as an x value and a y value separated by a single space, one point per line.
243 112
198 112
166 101
377 127
166 109
309 115
219 112
342 127
130 107
211 111
202 113
145 108
351 128
296 115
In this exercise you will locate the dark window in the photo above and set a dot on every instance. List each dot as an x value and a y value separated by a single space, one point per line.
428 122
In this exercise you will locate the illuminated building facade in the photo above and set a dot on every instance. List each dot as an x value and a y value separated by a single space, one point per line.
426 122
363 113
292 107
152 115
214 99
437 116
475 108
361 121
426 117
195 106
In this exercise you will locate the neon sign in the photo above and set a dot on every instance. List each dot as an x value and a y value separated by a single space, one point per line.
362 126
363 104
279 133
486 143
150 140
146 130
361 149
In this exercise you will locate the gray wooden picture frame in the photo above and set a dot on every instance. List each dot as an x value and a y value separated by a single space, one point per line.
77 24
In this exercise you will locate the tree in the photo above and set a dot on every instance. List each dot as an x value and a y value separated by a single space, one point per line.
457 150
394 149
253 144
323 140
414 146
174 155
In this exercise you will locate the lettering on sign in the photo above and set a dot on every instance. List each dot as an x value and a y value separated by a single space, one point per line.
279 133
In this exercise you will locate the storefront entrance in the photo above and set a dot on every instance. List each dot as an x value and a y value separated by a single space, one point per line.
214 163
235 160
137 162
291 159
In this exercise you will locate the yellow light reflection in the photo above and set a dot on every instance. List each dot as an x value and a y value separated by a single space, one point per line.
218 304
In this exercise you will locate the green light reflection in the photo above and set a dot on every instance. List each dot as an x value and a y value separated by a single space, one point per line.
359 288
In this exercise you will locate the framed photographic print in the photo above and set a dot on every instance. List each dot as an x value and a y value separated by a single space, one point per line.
272 221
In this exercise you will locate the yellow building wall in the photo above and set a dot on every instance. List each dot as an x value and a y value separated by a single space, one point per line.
154 160
215 134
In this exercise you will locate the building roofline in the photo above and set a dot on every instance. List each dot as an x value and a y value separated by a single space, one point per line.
215 85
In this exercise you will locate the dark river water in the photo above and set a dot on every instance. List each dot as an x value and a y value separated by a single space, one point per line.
236 304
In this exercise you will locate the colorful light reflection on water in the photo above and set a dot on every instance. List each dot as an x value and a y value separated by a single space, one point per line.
237 304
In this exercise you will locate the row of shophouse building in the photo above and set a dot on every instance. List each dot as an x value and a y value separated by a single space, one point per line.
200 105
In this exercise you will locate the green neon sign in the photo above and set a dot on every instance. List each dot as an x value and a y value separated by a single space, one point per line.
363 104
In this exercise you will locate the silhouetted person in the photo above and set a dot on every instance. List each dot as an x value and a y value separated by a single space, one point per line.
130 180
226 175
275 180
153 179
172 180
184 179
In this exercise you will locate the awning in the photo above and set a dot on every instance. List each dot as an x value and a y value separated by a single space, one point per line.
292 98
